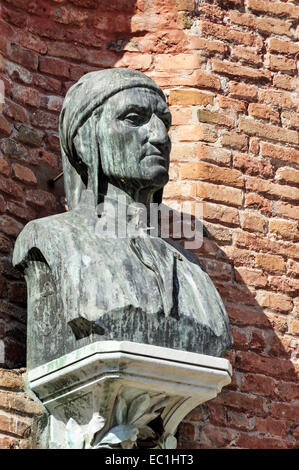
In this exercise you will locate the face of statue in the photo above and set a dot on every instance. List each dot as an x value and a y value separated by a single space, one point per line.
133 138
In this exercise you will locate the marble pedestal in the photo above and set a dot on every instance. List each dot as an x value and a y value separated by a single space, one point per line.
115 394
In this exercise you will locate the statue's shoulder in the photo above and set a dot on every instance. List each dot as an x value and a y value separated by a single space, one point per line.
45 234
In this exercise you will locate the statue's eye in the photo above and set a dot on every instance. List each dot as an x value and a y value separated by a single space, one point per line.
135 119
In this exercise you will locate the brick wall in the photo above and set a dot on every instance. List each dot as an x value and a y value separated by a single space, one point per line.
230 74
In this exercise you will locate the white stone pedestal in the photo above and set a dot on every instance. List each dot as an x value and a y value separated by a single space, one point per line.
114 394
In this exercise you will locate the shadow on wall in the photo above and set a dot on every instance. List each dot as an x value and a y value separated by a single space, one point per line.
255 410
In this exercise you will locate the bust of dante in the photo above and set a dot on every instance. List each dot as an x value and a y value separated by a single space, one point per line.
85 287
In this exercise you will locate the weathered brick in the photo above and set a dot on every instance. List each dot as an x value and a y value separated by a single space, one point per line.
242 90
285 81
40 198
22 56
55 67
29 135
214 154
294 327
232 69
249 361
11 188
264 24
242 401
275 8
190 97
263 112
284 209
10 226
212 117
184 151
283 47
285 411
222 214
282 99
26 95
229 34
252 165
282 153
287 391
15 111
274 301
268 131
253 222
23 174
280 63
195 132
234 140
212 173
257 243
247 441
179 61
259 384
5 126
271 263
246 54
290 119
260 185
251 277
284 229
196 42
293 268
219 193
229 103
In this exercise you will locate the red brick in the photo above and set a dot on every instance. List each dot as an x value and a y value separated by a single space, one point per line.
294 327
234 140
26 95
271 263
255 201
285 10
196 43
260 185
284 229
287 175
14 424
216 155
186 432
21 211
178 190
32 42
4 167
15 111
251 277
239 257
253 222
180 115
283 284
293 268
281 99
219 193
184 151
252 165
251 127
11 188
19 402
259 364
287 391
219 233
54 67
259 384
229 103
290 119
232 292
10 226
5 246
257 243
246 441
279 152
24 174
215 437
217 269
229 34
280 63
22 56
264 24
242 401
285 411
5 126
40 198
235 70
240 338
246 54
179 61
212 117
212 173
190 97
47 83
283 47
70 15
238 420
242 90
285 81
196 132
263 112
46 120
222 214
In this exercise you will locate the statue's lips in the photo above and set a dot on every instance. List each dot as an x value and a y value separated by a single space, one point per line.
157 158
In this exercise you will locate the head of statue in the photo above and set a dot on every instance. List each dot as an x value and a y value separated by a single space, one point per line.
114 129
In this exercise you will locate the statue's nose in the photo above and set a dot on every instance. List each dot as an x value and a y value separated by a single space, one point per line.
157 131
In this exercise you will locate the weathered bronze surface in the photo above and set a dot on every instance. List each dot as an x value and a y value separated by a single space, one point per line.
85 287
